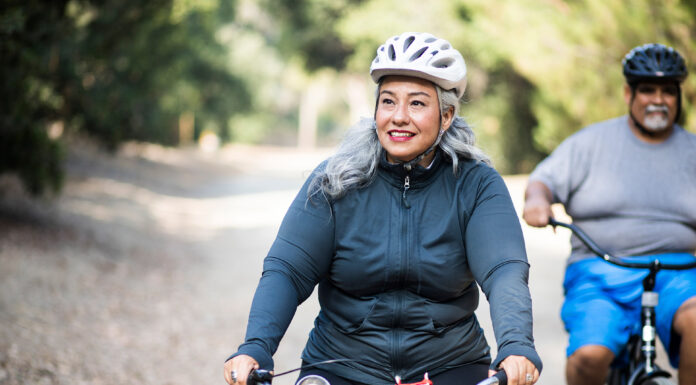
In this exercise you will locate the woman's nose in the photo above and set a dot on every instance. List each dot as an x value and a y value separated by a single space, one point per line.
401 115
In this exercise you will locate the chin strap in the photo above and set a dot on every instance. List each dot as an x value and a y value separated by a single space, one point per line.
408 165
641 127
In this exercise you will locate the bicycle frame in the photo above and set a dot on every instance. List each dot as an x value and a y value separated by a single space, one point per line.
642 354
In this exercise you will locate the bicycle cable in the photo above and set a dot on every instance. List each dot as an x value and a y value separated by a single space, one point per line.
315 364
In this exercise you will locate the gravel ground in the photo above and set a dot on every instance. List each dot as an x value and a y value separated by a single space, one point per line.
129 275
142 271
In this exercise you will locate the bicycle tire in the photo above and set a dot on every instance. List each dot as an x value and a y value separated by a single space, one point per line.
658 381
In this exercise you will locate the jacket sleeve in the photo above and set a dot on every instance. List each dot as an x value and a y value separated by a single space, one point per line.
497 258
298 259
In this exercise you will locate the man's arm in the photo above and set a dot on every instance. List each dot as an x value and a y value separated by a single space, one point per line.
537 204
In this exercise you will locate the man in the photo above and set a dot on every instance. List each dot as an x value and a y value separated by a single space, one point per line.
630 183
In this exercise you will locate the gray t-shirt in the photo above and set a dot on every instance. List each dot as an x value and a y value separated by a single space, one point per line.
631 197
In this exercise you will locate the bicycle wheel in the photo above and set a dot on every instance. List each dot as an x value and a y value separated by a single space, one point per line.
313 379
658 381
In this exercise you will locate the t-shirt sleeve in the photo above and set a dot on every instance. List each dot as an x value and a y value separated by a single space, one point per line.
564 171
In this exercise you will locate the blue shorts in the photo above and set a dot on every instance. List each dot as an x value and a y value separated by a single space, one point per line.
602 302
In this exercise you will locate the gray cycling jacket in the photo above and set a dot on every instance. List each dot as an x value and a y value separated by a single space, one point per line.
397 266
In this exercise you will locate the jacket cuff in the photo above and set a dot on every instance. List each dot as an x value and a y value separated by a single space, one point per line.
256 352
518 350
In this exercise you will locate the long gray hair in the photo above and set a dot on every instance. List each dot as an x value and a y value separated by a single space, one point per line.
355 163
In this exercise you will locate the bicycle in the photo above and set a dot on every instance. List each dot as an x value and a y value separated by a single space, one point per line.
265 377
641 368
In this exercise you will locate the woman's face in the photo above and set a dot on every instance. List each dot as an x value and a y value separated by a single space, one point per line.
408 118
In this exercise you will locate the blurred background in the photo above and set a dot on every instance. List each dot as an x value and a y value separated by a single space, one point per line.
148 151
295 73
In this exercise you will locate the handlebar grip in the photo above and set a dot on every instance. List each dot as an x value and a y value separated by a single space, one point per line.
260 377
553 222
500 378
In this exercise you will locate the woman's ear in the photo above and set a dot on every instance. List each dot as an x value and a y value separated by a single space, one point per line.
447 118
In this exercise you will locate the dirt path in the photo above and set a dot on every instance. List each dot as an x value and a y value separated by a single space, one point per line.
143 271
129 276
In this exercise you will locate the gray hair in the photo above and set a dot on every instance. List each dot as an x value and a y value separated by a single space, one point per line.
355 163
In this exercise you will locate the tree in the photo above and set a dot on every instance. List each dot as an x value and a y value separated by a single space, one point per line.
571 53
115 69
30 34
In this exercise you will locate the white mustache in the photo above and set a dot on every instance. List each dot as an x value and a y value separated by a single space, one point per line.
656 108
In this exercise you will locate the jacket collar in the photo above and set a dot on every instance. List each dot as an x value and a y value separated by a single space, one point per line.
395 173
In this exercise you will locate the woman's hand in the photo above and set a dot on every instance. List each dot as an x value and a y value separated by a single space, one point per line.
237 369
519 371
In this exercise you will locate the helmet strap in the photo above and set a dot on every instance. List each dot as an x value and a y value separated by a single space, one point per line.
408 165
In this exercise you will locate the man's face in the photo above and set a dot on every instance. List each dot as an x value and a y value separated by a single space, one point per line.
654 105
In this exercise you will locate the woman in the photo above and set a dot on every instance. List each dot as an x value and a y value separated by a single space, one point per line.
397 228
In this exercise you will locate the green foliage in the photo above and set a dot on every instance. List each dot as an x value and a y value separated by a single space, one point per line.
503 120
571 53
307 30
34 157
387 18
29 36
538 71
498 100
123 69
137 87
115 69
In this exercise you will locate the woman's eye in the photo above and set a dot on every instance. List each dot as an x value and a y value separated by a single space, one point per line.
417 103
387 101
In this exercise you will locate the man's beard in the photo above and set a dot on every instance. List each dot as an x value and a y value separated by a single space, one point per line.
656 122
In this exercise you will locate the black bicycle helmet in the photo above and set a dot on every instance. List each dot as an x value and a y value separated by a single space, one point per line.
654 62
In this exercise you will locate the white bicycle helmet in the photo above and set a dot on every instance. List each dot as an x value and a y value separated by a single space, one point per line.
424 56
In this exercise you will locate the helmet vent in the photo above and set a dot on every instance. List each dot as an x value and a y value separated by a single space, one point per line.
651 61
424 56
408 42
443 63
418 54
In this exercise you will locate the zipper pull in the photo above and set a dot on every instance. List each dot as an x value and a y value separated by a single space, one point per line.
407 185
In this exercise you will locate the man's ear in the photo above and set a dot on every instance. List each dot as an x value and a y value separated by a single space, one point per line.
628 94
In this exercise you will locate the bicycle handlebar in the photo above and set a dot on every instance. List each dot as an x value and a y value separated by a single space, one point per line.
265 377
584 238
260 377
499 378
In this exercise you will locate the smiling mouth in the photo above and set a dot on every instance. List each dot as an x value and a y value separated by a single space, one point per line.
651 109
400 134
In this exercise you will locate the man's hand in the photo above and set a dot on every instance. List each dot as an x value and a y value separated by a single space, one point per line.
537 205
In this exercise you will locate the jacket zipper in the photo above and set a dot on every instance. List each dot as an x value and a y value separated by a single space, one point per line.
396 332
407 185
